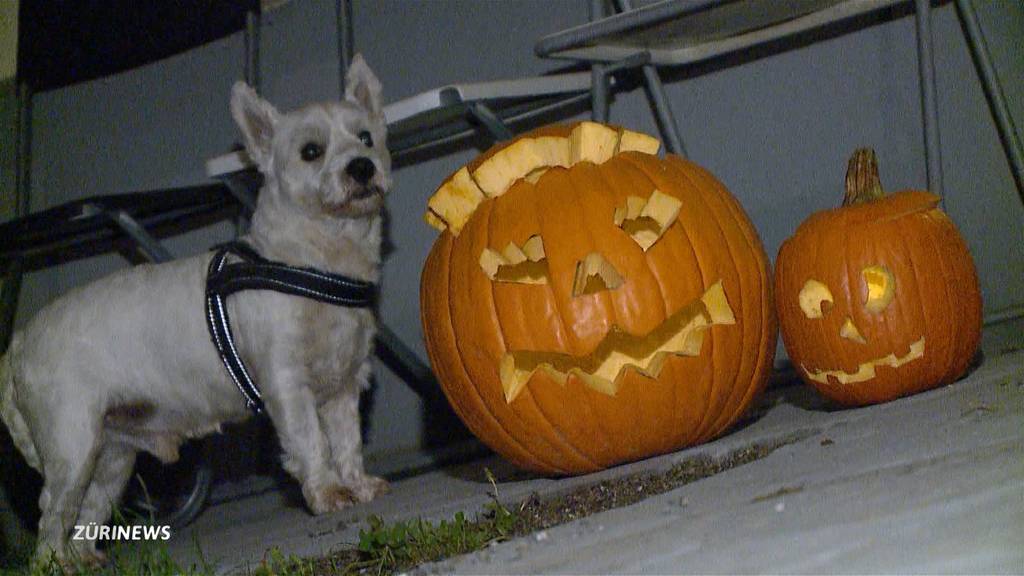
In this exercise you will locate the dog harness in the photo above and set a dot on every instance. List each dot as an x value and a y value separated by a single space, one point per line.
255 272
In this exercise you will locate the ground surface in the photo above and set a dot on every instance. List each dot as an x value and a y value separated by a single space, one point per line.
932 483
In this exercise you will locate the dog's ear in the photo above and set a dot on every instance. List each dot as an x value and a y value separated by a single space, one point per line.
362 86
256 119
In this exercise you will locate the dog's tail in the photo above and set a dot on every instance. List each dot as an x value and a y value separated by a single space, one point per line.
9 408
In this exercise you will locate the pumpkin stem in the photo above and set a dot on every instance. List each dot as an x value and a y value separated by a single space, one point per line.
862 183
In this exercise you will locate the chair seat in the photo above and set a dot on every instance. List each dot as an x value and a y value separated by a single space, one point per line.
689 31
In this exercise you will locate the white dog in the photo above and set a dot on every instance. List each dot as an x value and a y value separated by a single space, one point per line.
126 363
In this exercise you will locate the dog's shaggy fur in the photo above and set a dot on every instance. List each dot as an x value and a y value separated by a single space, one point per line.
126 363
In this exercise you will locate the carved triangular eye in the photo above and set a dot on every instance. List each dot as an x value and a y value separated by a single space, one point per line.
594 274
647 220
520 265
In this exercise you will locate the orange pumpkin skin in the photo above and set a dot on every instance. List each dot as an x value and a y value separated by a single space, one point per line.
471 321
936 297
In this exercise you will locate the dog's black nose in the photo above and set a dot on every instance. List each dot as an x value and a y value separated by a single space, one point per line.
361 169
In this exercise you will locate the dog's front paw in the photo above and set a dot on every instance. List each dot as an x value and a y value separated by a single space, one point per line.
366 488
328 498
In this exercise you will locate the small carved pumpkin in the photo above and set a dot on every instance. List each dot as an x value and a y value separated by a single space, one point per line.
879 298
588 303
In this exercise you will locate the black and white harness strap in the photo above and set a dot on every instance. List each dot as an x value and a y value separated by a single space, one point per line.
255 272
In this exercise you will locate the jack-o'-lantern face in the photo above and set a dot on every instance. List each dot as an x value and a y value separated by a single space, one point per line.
876 291
603 306
681 334
879 298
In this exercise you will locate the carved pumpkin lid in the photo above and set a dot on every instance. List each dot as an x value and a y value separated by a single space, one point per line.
527 157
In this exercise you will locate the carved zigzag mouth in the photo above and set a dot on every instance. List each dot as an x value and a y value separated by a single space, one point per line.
866 370
682 334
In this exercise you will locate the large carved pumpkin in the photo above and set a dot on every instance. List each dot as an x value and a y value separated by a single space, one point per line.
878 298
588 303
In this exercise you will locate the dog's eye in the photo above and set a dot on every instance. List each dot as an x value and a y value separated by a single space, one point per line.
311 151
366 139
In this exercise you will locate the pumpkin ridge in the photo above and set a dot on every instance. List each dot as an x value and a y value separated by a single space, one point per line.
965 281
493 425
557 440
583 174
598 459
906 258
768 337
822 327
682 170
577 177
929 321
854 237
453 399
728 208
532 401
662 181
573 341
616 191
613 190
425 298
711 417
850 237
951 325
668 243
505 416
689 242
709 375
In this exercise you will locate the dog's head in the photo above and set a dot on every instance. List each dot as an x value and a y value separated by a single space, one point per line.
325 159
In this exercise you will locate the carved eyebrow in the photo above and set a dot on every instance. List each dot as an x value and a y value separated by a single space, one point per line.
647 220
521 265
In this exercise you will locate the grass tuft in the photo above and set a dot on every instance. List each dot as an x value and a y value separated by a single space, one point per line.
141 558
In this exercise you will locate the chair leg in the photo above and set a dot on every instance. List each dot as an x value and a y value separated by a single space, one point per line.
598 75
9 291
659 102
490 121
663 111
926 69
993 92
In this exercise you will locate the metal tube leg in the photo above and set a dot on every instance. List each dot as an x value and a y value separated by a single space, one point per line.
9 292
147 244
663 111
407 365
346 46
598 75
497 129
926 69
993 92
252 49
598 93
10 284
659 103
